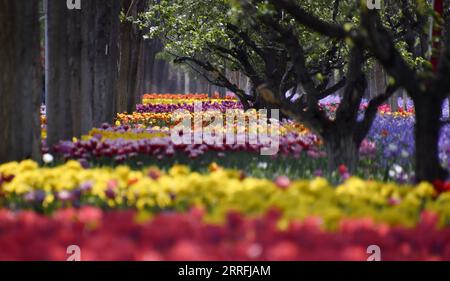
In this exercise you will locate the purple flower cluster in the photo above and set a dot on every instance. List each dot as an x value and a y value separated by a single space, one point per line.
444 146
126 129
206 105
120 150
394 137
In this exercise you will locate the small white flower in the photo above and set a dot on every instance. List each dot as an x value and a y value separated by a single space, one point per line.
392 173
47 158
405 154
405 177
392 147
262 165
397 168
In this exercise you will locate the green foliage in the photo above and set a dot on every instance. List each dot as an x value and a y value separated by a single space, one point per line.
199 29
187 27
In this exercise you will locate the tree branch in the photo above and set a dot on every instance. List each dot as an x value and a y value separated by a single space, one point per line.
333 89
442 80
382 45
219 78
354 88
310 21
247 40
372 110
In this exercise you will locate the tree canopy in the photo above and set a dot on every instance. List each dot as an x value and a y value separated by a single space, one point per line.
291 51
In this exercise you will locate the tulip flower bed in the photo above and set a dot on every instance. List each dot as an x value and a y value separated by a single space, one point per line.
127 235
206 105
143 138
147 150
182 98
25 185
126 191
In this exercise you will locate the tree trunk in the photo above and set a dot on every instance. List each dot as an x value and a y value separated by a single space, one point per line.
131 69
427 130
152 47
448 107
187 83
82 67
405 100
106 61
393 101
20 80
341 149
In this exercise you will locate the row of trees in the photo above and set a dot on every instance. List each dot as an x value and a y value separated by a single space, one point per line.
426 84
291 51
82 75
97 64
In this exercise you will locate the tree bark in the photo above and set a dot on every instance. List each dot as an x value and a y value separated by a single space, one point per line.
393 102
82 67
187 83
342 149
152 47
20 80
427 130
132 48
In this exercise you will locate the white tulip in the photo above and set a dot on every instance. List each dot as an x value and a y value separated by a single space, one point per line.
47 158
